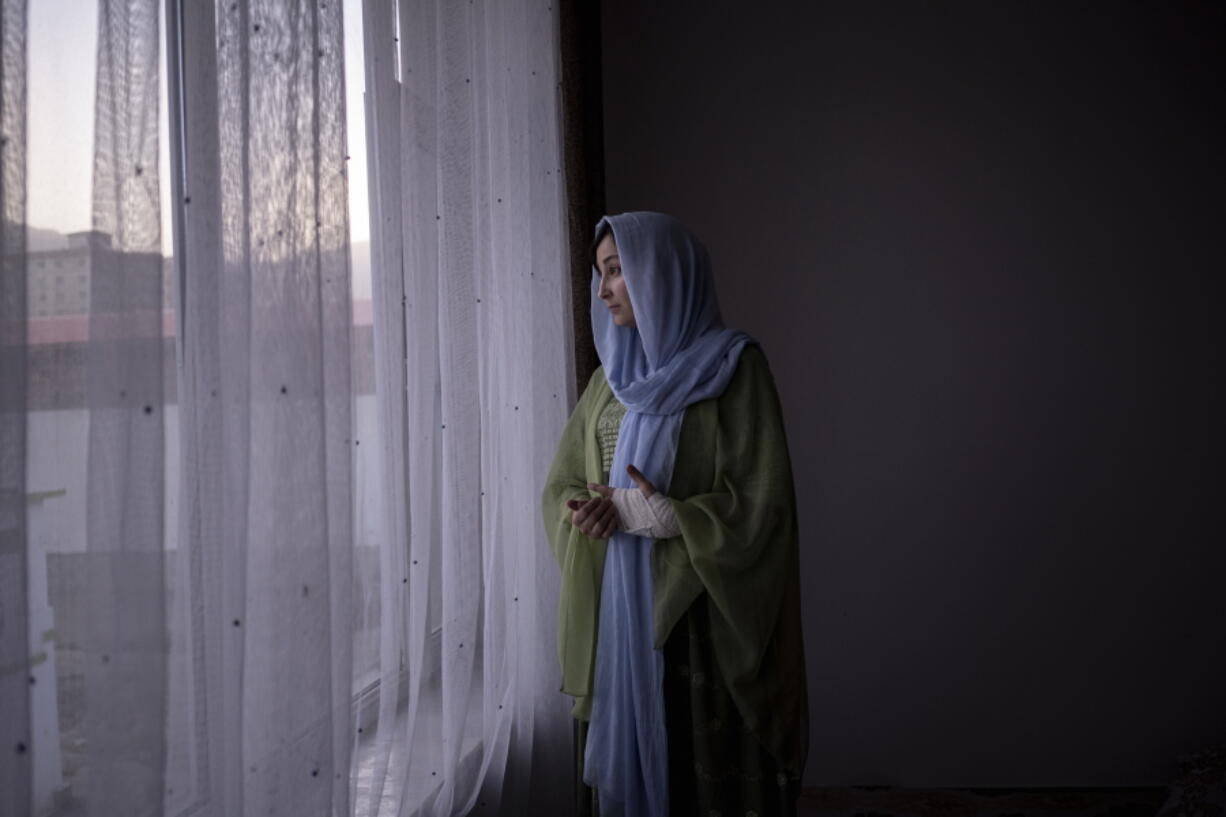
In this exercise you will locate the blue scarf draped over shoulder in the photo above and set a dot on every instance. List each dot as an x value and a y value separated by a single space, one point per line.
678 354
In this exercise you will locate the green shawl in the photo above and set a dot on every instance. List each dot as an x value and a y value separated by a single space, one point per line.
735 504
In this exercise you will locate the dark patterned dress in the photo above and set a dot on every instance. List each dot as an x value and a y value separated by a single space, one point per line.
717 768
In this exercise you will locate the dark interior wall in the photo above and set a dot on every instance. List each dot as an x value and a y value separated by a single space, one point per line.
976 241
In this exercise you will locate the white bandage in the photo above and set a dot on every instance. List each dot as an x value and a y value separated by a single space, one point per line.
642 516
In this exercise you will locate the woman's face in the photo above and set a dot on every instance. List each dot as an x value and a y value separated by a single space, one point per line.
612 285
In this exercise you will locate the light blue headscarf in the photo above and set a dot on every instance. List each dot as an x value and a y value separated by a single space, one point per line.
679 353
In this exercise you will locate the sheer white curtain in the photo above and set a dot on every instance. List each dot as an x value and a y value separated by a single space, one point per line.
473 368
176 541
118 604
267 406
16 696
177 583
87 396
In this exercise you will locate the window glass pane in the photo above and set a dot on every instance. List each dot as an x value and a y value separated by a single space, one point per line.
367 523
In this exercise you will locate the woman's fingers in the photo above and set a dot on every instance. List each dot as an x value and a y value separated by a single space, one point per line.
581 515
644 485
603 490
596 517
596 522
608 520
587 515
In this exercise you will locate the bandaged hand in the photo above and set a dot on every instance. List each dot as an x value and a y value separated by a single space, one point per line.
642 511
645 516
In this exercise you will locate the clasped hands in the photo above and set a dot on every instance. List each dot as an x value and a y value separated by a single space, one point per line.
597 517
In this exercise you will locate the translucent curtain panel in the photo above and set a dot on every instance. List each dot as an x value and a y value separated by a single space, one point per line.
119 596
267 430
156 662
95 399
473 371
24 684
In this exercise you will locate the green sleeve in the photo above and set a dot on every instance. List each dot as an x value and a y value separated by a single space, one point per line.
740 538
580 558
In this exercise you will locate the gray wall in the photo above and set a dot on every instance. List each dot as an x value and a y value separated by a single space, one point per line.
975 240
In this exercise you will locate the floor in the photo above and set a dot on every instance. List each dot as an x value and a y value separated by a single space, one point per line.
885 801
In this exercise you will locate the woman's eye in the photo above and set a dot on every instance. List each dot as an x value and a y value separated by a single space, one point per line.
615 271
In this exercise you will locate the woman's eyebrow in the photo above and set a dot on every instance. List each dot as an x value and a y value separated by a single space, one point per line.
608 258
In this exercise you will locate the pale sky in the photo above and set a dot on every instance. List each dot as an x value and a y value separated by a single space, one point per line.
62 53
62 40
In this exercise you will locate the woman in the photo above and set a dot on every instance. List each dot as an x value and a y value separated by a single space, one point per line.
671 512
